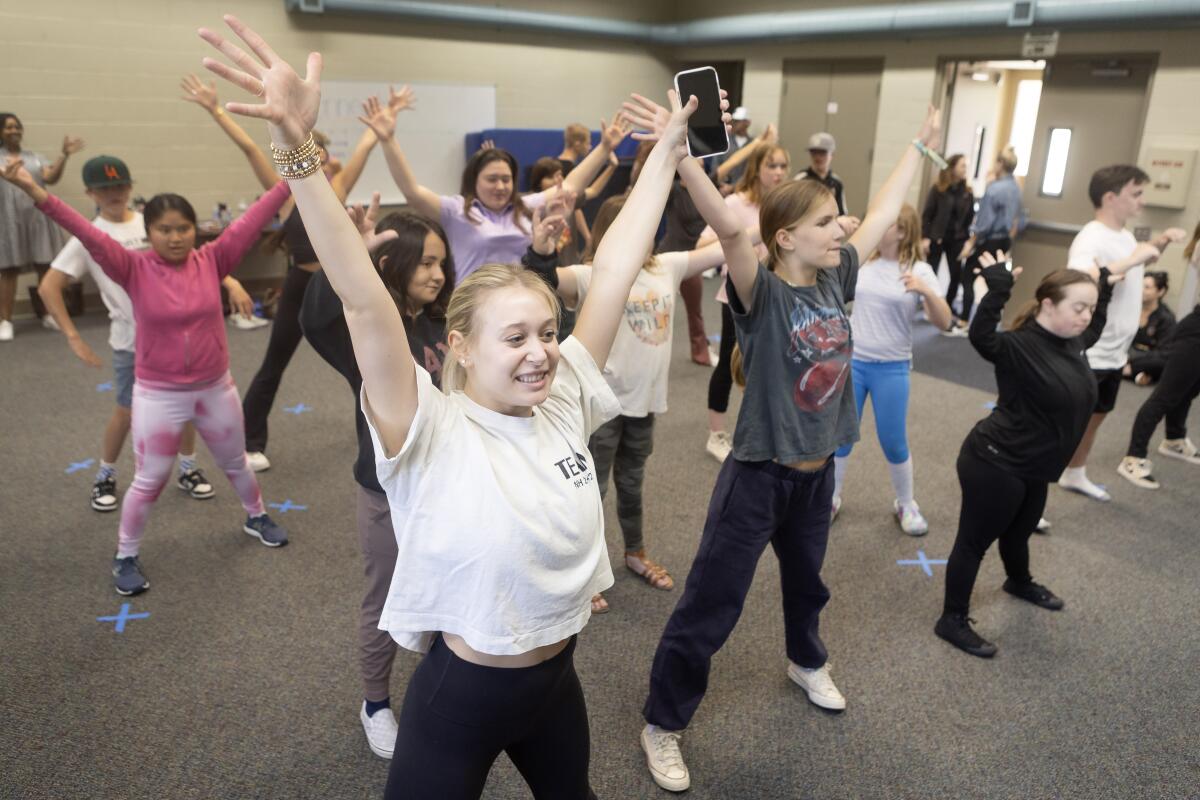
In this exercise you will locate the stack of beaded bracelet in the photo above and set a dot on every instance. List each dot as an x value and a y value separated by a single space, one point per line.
298 163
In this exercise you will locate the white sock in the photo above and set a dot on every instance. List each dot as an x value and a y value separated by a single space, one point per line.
187 462
839 473
902 481
126 552
1073 475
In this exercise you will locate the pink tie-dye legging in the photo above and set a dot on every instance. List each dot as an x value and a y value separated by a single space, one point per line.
158 419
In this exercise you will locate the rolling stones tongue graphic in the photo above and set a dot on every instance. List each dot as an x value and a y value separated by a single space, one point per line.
820 345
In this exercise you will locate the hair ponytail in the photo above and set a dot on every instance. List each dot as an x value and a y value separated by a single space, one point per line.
1053 288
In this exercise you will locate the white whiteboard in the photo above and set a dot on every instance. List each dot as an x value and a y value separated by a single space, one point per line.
431 132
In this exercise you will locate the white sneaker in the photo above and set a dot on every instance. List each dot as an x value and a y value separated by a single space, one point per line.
710 273
910 519
714 357
1043 525
837 506
258 462
1085 487
381 730
1137 472
247 323
818 686
1183 449
50 324
956 332
664 758
719 445
6 331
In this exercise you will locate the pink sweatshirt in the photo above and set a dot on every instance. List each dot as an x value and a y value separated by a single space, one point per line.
180 320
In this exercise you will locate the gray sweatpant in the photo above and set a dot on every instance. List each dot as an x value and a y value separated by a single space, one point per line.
623 444
376 648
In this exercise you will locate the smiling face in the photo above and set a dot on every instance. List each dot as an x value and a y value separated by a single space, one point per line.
428 276
512 355
12 133
1070 316
172 236
113 201
494 186
774 170
816 240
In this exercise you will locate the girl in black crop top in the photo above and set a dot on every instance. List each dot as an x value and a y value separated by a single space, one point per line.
1046 395
303 262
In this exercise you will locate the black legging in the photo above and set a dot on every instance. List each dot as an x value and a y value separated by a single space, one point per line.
721 381
951 248
285 337
992 246
1173 396
458 717
995 505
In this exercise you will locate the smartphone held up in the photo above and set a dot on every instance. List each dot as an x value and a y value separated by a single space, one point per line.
707 136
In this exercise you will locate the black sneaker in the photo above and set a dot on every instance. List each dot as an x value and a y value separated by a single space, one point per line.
195 484
104 494
956 629
1035 593
127 576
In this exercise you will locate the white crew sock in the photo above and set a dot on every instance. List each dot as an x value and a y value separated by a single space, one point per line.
839 473
902 481
1074 475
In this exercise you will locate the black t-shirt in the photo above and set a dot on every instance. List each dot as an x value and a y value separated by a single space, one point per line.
1047 390
324 324
832 181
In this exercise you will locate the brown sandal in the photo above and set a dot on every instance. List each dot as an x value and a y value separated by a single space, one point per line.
654 574
599 604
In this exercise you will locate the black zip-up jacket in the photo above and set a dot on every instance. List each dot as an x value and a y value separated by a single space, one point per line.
948 214
324 324
1047 389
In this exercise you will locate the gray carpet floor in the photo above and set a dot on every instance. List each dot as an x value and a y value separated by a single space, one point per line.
243 682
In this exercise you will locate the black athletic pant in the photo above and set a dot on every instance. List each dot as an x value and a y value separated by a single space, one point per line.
753 504
969 269
951 248
720 383
995 505
458 717
285 338
1173 396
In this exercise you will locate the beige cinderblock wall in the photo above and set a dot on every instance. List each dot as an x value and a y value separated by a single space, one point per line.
109 72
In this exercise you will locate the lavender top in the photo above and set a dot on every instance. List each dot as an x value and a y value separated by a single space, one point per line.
489 236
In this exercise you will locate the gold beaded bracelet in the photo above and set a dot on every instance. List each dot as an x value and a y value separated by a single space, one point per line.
299 162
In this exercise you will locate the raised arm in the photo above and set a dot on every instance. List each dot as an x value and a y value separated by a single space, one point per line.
53 172
593 191
290 107
205 96
885 205
611 135
115 260
235 241
630 238
987 340
344 181
1100 313
421 198
739 156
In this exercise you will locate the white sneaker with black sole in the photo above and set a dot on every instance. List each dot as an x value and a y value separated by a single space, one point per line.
104 494
1137 472
1183 449
258 461
381 730
664 758
818 685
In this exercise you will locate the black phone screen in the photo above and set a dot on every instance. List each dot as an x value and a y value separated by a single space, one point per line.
706 132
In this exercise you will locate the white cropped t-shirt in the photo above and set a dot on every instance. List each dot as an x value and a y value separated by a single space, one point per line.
498 521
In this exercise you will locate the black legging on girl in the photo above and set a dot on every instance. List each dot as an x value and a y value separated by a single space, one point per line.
458 717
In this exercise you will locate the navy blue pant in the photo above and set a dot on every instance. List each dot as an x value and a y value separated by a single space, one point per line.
753 503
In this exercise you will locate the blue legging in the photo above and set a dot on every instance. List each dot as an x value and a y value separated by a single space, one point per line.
887 383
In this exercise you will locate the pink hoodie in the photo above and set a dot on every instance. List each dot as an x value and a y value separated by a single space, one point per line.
180 320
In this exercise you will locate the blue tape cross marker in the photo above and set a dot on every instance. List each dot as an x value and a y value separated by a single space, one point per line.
104 387
297 409
78 466
989 405
122 617
921 560
286 506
